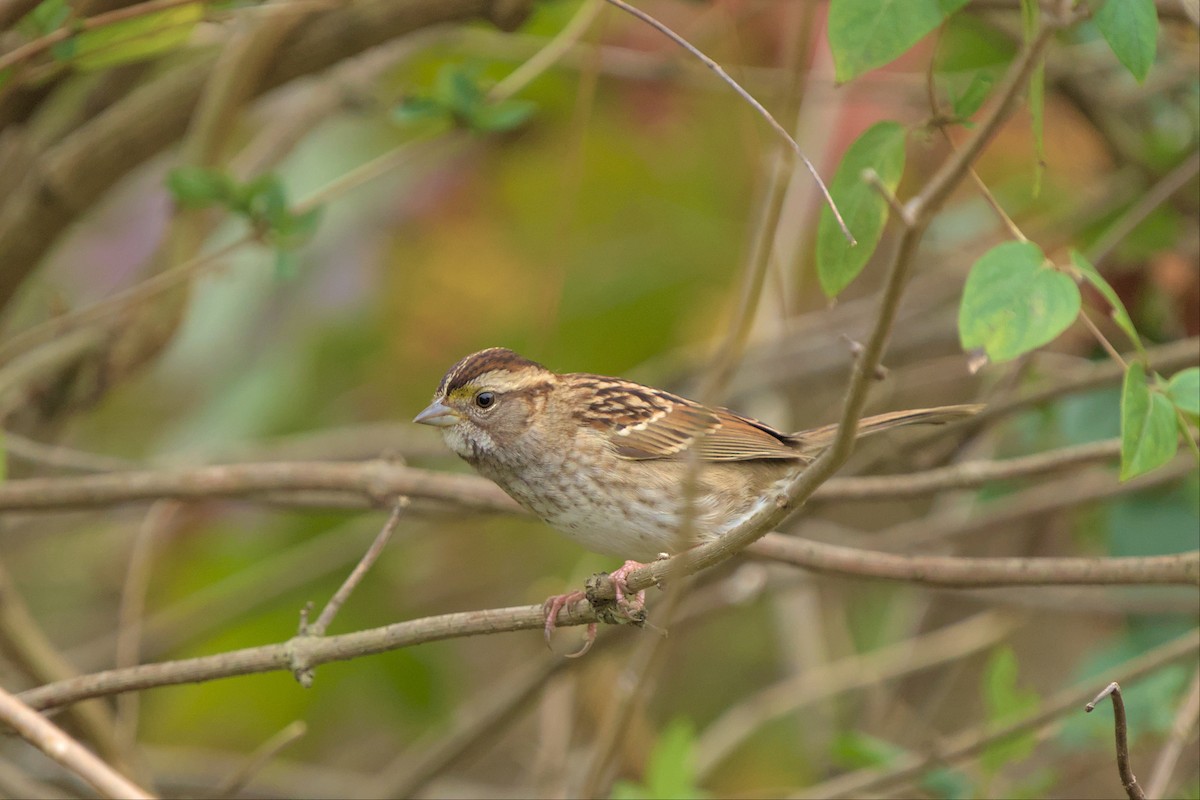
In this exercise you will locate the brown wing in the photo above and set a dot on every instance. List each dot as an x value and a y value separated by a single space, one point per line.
645 424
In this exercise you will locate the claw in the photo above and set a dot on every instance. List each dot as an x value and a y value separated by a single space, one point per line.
555 604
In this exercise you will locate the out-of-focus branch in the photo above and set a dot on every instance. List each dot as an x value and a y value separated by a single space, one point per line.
51 740
960 571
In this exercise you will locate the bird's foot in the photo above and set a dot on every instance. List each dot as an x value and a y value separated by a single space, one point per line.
555 604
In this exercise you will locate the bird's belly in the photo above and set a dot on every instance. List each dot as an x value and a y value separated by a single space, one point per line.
640 524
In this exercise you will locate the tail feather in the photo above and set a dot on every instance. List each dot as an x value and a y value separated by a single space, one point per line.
822 437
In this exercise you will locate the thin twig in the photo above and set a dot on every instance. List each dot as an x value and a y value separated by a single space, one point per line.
1128 780
264 753
550 54
356 575
51 740
745 95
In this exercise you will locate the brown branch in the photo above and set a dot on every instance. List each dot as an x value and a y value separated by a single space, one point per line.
1128 780
963 572
309 650
51 740
381 483
378 482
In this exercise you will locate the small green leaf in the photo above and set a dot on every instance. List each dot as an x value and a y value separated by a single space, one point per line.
417 109
1119 314
865 34
65 50
966 104
502 117
1148 425
263 201
1004 701
45 17
1013 302
1131 29
670 772
1184 391
881 148
295 230
858 750
457 90
138 38
199 187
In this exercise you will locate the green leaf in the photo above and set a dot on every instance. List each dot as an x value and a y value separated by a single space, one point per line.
1131 29
1117 309
295 230
1148 425
966 104
1005 701
503 116
1013 302
417 109
881 148
65 50
865 34
457 90
264 201
858 750
669 772
199 187
1184 391
45 17
138 38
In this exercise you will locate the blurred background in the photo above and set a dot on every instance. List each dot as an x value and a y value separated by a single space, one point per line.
610 231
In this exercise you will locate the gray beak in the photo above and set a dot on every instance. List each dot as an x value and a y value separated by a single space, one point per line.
438 414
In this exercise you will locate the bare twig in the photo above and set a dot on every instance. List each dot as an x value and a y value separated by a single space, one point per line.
311 650
355 577
745 95
51 740
1128 780
265 752
548 55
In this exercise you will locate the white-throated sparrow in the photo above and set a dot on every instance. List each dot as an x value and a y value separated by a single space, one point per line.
604 460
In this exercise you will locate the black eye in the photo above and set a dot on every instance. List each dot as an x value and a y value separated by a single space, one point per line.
485 399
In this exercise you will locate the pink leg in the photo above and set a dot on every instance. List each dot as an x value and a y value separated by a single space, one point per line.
619 577
551 608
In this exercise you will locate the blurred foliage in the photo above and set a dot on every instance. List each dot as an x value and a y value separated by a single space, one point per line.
601 220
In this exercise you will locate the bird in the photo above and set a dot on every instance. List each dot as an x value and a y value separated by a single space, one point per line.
605 461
